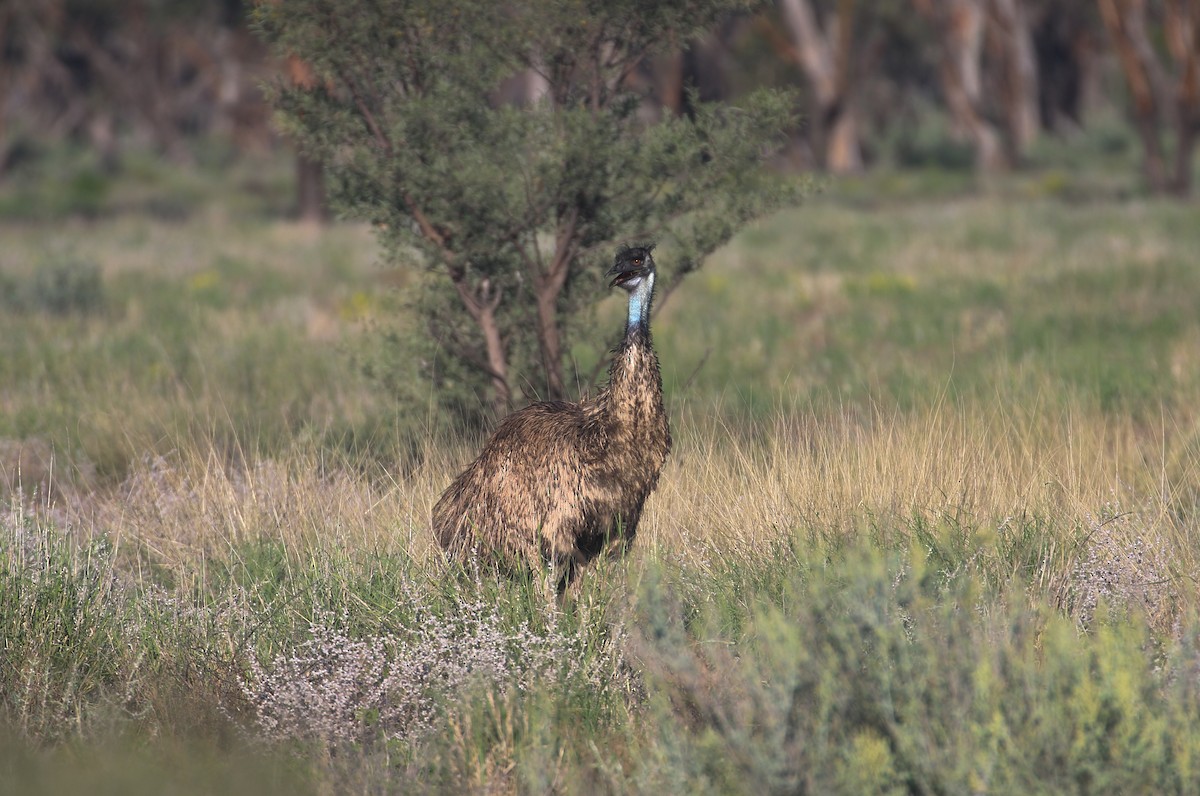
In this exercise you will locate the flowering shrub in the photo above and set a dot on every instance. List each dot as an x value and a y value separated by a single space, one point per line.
1122 564
334 687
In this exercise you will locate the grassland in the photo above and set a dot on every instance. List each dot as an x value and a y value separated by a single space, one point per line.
929 525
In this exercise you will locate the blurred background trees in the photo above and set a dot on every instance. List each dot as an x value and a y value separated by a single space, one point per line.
115 75
1157 47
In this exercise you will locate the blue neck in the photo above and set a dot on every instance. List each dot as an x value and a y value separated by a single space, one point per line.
639 303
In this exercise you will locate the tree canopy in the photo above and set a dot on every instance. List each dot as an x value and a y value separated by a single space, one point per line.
506 148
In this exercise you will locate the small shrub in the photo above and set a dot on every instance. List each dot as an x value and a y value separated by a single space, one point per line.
1121 566
334 687
65 286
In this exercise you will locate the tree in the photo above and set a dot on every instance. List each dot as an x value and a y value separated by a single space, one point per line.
959 27
154 72
988 71
1011 35
1160 98
826 52
511 210
1066 37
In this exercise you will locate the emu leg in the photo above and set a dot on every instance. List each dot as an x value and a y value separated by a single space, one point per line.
559 576
620 538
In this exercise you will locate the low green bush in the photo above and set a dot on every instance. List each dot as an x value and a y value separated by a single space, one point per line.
59 286
879 675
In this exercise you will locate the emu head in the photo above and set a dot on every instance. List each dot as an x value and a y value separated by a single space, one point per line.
632 266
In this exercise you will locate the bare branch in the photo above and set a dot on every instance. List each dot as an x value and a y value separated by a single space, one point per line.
462 352
365 111
696 370
458 279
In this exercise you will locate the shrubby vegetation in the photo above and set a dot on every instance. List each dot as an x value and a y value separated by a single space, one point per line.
879 672
811 666
939 536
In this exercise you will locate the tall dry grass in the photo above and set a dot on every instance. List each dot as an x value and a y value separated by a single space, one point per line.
1094 486
1080 503
830 472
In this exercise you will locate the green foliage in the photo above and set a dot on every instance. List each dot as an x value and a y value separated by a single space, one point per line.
515 208
59 286
876 674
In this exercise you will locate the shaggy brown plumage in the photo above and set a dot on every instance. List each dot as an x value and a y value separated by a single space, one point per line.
562 483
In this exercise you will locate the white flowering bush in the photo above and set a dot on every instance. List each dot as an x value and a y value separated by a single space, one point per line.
334 687
1123 564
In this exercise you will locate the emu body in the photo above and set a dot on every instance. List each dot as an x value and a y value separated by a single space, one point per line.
561 483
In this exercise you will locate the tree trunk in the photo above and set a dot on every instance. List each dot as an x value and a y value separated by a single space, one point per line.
1181 181
497 361
1183 41
310 174
842 152
481 303
1126 23
1066 51
960 27
548 284
534 87
310 190
670 77
1020 75
1155 104
102 137
550 343
827 58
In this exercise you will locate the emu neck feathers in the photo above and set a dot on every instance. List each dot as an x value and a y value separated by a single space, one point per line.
639 303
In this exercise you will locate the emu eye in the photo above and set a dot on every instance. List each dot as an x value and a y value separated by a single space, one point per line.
637 260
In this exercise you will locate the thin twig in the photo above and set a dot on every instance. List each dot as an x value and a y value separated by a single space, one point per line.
696 370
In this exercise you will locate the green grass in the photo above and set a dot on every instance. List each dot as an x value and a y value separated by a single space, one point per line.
928 525
839 304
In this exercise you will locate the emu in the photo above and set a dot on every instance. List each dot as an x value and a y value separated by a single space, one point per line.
562 483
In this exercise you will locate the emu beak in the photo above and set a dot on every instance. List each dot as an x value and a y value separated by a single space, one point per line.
621 276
